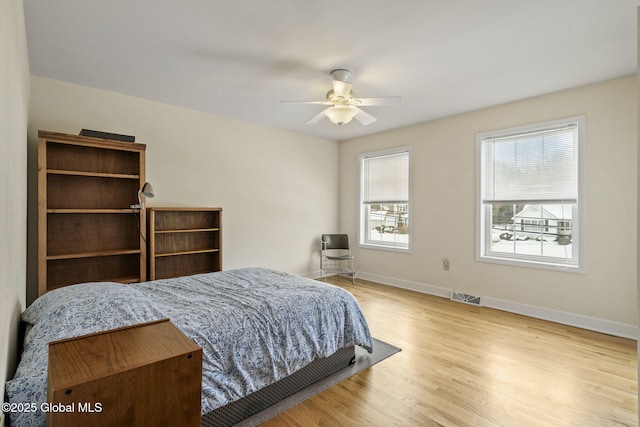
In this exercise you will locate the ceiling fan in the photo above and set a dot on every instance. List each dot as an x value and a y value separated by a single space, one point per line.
343 105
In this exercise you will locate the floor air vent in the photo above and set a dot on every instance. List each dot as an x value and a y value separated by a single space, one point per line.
466 298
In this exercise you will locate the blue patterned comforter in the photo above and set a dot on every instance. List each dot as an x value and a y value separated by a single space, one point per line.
255 326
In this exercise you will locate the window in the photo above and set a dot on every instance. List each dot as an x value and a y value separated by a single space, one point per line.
384 199
530 204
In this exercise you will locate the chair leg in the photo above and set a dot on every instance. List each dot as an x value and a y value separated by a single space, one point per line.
353 272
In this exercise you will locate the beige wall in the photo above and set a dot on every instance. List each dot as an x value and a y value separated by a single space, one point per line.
278 189
14 97
638 206
444 194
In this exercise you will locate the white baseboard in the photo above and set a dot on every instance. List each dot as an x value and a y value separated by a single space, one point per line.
405 284
609 327
312 275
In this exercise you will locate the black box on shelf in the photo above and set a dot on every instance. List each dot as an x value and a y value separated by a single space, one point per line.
107 135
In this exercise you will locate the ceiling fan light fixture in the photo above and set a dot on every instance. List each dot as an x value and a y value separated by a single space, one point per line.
343 103
341 114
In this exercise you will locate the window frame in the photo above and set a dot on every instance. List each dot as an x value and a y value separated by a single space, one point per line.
483 209
363 220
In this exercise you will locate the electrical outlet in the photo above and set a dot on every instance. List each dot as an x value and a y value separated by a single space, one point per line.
445 264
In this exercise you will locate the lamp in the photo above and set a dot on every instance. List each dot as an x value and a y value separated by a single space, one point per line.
147 192
341 114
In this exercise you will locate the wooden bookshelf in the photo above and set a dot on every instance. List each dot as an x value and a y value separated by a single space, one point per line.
184 241
87 230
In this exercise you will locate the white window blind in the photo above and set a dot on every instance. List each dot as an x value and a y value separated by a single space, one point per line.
540 167
386 179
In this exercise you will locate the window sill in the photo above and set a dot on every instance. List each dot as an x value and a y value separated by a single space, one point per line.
384 247
566 268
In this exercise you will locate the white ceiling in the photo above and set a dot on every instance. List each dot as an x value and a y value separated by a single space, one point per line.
240 58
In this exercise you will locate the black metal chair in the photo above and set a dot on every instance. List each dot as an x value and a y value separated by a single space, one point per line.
335 256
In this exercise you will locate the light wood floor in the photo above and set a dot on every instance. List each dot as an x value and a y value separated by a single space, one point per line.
473 366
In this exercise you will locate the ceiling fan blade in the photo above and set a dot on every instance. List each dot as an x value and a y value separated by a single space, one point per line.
307 102
318 117
341 89
378 102
364 117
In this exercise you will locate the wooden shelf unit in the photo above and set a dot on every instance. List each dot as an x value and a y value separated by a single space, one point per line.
87 230
184 241
146 374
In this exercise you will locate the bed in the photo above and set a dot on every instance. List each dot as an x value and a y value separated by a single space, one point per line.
258 328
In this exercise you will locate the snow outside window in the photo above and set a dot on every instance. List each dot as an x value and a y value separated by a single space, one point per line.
530 204
384 199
